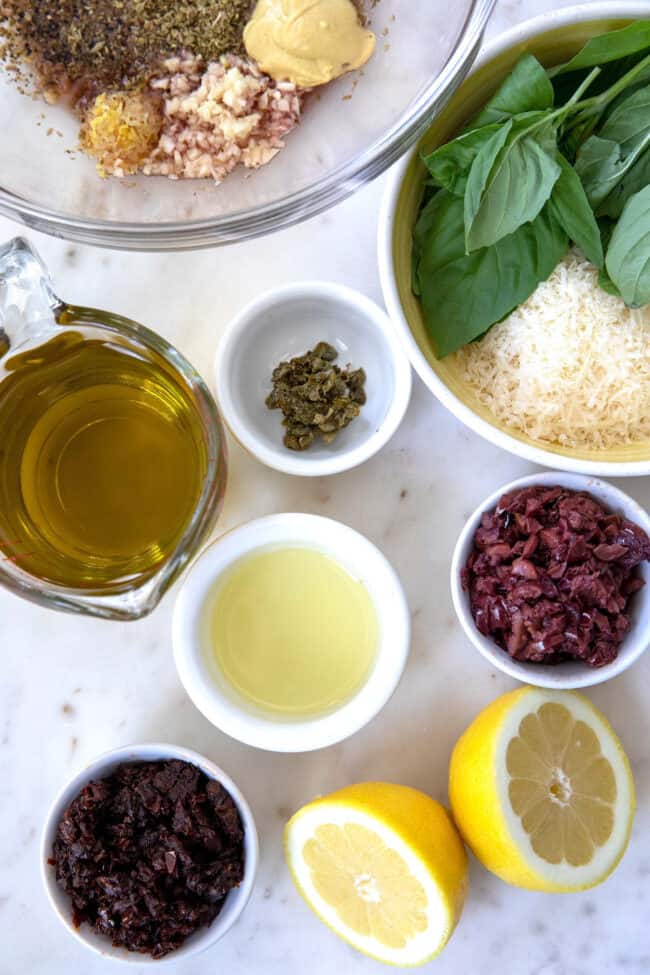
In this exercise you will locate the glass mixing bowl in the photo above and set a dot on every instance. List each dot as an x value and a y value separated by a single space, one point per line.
351 131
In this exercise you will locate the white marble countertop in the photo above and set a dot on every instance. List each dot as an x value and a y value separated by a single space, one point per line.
73 687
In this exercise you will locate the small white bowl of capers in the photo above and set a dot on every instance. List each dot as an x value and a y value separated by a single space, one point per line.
342 402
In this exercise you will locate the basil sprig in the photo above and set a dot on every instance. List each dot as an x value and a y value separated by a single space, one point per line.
554 157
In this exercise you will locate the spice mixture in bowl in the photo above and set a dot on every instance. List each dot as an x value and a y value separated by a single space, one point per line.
549 580
165 89
203 91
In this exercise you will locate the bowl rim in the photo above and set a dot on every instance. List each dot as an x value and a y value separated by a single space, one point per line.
280 458
387 216
545 675
128 604
273 733
288 210
102 765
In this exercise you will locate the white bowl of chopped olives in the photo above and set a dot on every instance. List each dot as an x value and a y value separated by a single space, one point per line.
550 580
173 870
311 378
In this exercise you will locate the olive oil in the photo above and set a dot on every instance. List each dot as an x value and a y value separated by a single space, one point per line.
102 460
291 632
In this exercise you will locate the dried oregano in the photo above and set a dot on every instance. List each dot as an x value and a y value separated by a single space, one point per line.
117 42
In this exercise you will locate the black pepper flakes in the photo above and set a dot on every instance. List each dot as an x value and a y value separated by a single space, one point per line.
114 43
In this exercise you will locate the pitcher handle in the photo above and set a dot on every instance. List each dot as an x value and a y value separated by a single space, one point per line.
28 302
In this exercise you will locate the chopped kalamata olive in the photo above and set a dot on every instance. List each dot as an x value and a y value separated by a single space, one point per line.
551 573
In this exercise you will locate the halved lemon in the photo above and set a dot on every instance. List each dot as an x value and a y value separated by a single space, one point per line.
542 791
383 866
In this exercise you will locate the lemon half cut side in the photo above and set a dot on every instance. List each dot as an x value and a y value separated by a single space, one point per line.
383 866
542 791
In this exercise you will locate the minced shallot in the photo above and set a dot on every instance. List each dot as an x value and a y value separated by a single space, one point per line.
219 116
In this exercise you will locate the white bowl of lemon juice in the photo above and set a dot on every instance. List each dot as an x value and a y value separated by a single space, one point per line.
291 632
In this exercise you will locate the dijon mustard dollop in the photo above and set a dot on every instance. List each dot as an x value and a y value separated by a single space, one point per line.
307 42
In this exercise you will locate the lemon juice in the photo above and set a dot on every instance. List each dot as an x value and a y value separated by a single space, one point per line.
291 632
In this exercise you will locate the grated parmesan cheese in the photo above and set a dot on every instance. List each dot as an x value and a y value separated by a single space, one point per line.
570 366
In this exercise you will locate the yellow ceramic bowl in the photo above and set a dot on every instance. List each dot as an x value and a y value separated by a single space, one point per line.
553 38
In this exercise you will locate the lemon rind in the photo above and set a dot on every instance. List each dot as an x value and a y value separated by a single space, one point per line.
445 899
496 836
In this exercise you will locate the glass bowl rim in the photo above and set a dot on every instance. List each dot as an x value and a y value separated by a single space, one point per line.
330 189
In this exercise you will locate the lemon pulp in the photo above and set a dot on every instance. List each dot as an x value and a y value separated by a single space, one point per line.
368 884
383 866
561 786
542 791
291 632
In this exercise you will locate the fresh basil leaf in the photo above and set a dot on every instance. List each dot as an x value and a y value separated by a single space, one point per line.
582 119
481 169
609 75
439 232
570 136
464 294
426 220
606 229
450 164
636 178
570 207
632 88
606 284
629 120
526 89
605 159
599 166
628 254
612 46
623 174
510 193
575 136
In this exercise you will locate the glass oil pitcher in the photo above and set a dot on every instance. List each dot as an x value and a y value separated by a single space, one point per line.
112 462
